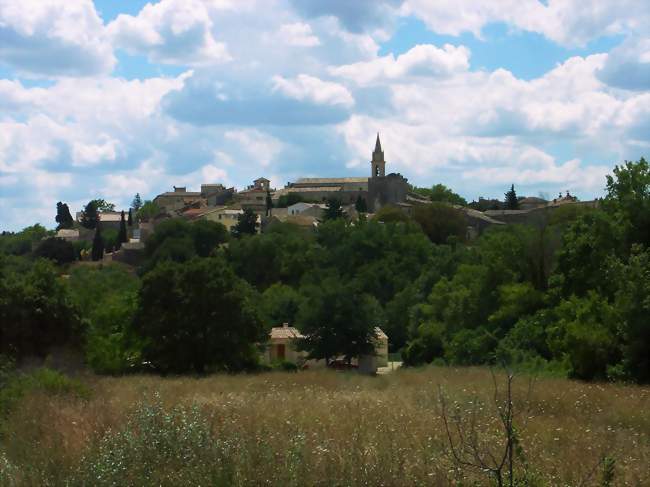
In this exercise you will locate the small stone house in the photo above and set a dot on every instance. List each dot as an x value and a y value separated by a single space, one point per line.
282 347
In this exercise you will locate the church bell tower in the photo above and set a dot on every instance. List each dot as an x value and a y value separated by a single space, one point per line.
378 163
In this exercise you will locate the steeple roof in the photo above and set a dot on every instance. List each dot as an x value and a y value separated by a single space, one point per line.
378 144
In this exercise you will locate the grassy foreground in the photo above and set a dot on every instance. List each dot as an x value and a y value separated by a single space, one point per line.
323 428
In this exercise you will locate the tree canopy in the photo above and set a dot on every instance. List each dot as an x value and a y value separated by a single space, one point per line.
197 316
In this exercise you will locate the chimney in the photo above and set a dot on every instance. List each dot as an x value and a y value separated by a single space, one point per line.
285 325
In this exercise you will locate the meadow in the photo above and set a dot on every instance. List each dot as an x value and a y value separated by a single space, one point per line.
324 428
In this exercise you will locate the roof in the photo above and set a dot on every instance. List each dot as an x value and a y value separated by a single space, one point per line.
261 179
194 212
185 194
67 233
330 180
284 332
380 333
481 216
533 199
110 216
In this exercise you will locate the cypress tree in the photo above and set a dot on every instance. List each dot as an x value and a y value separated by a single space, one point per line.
98 245
512 203
63 216
122 236
361 205
269 203
130 221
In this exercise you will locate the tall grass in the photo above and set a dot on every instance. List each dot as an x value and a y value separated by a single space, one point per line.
321 428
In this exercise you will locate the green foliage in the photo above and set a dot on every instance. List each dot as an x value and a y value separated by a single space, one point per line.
333 210
161 447
360 205
338 319
178 240
23 242
90 212
280 255
632 302
56 249
442 194
107 296
122 236
391 214
440 221
63 217
148 211
246 224
98 244
585 333
628 200
511 200
197 316
289 199
280 304
471 347
426 347
35 310
14 385
136 204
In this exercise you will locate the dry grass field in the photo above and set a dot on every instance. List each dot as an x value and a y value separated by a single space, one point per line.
325 428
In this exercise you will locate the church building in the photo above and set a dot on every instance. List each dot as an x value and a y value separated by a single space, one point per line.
377 190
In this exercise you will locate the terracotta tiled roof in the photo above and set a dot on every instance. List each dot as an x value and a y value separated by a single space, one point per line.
284 332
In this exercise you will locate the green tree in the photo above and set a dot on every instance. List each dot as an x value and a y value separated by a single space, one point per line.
97 252
289 199
122 236
103 205
632 302
35 310
197 316
440 221
336 319
585 333
90 215
360 205
442 194
148 211
333 210
280 304
269 203
178 240
246 224
511 201
63 216
136 204
391 214
23 242
130 220
56 249
106 296
628 200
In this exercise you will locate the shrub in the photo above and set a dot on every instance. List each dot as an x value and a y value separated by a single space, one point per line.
159 447
15 385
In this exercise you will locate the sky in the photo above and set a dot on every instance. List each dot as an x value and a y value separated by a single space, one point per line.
110 98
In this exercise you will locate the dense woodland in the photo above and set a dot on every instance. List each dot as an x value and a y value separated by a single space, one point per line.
570 296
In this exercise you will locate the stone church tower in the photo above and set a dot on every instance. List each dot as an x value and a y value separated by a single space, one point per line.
378 163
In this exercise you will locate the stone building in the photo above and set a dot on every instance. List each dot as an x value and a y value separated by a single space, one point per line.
377 190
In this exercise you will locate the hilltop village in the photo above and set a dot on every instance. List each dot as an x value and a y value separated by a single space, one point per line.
304 203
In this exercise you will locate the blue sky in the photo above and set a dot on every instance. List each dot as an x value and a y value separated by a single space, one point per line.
113 97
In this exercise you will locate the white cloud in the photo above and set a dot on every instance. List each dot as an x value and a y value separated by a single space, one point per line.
54 38
172 32
420 60
258 145
568 22
84 154
310 88
298 34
